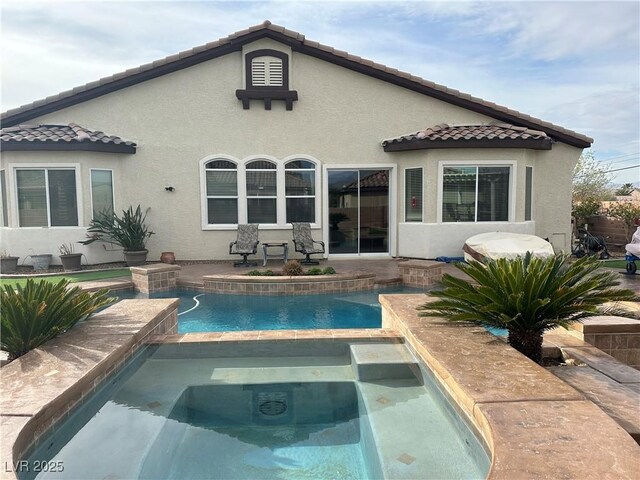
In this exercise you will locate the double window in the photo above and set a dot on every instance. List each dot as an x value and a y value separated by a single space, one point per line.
475 193
259 191
47 197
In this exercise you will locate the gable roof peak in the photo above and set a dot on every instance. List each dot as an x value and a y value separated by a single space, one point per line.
297 41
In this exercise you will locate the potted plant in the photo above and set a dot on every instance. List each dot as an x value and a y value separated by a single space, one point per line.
70 260
41 261
129 231
8 264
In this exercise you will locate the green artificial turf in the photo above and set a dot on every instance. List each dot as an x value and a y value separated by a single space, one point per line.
621 264
72 277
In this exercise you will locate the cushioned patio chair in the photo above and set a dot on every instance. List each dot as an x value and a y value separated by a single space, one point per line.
305 244
246 244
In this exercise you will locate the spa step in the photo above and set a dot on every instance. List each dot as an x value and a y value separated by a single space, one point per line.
413 433
379 361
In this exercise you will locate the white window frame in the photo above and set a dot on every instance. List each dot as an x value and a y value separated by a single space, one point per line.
404 193
281 213
279 186
316 186
113 186
512 164
14 167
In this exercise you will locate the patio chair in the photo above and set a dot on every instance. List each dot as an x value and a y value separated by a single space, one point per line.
246 244
305 244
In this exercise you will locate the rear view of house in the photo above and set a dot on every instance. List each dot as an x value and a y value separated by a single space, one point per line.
265 126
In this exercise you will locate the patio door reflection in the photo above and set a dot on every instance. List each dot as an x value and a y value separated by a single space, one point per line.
358 211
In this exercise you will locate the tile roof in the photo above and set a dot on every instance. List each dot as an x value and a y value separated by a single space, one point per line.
235 41
26 137
469 132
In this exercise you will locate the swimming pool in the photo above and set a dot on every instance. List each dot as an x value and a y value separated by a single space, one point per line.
208 312
277 410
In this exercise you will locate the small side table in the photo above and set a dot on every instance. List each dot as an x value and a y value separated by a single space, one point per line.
283 254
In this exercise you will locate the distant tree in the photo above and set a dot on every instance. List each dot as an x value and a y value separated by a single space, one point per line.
591 179
626 189
591 186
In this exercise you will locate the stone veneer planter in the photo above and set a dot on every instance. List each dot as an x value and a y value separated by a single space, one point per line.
281 285
420 273
534 424
43 387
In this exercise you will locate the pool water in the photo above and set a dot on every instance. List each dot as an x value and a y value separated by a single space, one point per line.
203 312
273 410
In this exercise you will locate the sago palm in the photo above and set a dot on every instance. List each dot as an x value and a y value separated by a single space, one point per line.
41 310
528 296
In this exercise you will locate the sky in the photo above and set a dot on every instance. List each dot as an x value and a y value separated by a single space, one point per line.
576 64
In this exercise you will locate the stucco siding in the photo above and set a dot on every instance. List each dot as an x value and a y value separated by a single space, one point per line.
340 118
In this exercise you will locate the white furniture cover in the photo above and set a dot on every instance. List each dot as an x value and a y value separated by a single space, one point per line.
496 245
633 248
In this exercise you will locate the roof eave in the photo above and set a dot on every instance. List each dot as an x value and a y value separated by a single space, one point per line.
13 146
532 144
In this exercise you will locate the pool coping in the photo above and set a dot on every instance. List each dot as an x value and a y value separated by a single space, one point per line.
46 385
535 425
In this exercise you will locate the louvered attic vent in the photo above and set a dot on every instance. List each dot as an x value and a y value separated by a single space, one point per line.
267 79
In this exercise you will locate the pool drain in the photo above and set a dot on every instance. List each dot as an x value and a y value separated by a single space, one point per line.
272 404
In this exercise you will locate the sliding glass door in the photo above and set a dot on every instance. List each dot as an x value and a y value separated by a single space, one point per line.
358 211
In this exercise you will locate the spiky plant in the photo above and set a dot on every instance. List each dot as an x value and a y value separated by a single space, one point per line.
129 231
528 296
39 311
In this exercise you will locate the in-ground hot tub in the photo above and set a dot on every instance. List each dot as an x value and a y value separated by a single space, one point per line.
273 409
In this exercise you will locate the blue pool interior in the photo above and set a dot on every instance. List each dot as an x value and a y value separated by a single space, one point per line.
273 410
208 312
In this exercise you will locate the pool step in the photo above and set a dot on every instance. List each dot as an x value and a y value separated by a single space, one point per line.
379 361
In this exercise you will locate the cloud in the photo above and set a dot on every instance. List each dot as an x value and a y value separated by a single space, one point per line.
575 64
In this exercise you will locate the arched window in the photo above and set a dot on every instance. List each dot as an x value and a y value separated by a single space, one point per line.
262 191
300 191
222 192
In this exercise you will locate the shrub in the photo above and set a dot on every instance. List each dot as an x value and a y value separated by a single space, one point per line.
254 273
40 311
314 271
292 268
627 213
528 296
268 273
328 271
587 208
